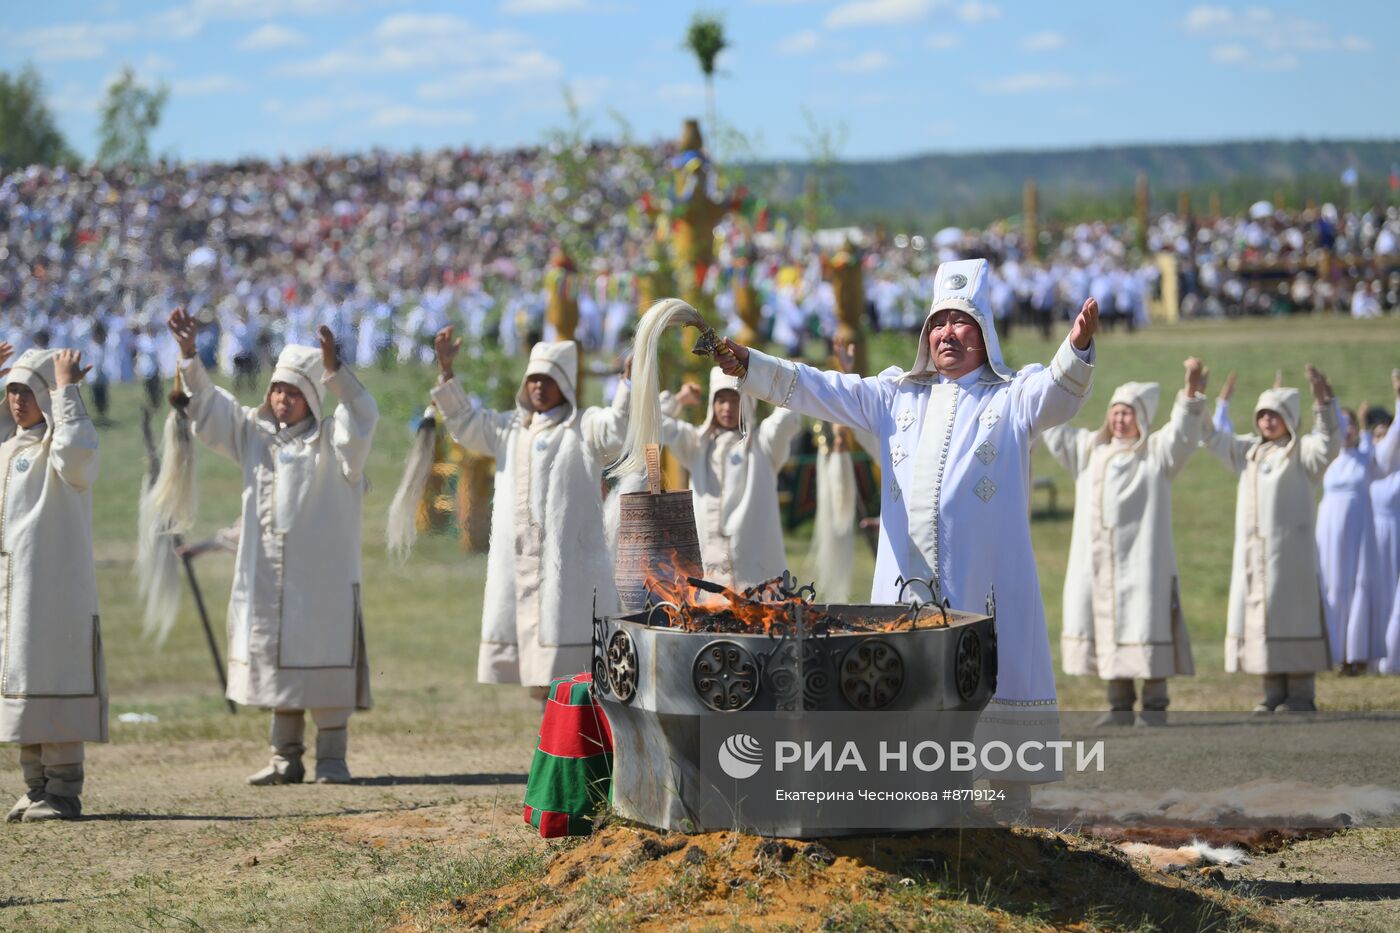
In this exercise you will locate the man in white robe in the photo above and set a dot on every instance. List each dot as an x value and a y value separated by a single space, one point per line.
1122 605
549 564
1276 625
954 437
296 633
733 461
54 682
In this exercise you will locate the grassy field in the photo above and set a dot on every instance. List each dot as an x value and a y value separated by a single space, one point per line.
183 844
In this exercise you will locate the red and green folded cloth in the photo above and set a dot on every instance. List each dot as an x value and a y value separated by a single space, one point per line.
571 776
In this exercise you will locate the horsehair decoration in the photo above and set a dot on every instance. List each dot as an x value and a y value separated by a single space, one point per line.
166 508
401 527
644 416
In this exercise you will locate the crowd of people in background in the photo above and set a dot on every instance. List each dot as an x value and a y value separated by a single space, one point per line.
386 249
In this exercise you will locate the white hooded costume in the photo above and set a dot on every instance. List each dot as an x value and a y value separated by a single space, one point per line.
1122 610
296 634
734 480
53 683
1276 622
549 558
954 458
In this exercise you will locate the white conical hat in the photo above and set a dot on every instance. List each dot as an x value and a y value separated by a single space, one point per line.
962 286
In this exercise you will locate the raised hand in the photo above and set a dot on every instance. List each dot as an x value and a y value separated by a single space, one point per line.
1321 388
845 356
182 325
330 359
733 358
1085 325
68 368
1196 375
1228 389
446 349
7 350
689 395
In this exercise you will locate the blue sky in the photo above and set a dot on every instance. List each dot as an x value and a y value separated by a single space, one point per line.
285 77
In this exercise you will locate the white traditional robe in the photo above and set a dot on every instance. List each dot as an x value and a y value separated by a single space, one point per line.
1354 594
51 666
296 634
549 558
954 459
1122 607
734 481
1276 623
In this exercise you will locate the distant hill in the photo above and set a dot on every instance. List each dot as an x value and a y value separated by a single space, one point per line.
975 188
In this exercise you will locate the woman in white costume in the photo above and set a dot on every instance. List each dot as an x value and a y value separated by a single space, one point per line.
296 634
1122 606
549 559
953 439
733 462
1276 624
54 681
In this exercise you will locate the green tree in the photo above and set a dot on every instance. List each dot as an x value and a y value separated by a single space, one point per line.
706 39
28 135
130 112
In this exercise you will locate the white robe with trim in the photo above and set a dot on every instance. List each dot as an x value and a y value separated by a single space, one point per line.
1276 623
549 552
734 481
955 485
295 628
1122 608
53 682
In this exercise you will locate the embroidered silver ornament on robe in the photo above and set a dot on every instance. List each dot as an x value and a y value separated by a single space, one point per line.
986 452
905 419
985 489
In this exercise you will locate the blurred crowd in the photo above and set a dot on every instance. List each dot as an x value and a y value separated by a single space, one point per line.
387 248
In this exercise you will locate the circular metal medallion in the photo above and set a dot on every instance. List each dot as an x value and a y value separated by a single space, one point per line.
872 674
21 465
725 676
622 666
967 665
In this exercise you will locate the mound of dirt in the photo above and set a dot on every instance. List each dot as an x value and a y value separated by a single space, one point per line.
632 878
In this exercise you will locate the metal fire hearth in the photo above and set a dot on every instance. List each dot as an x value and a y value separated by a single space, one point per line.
659 683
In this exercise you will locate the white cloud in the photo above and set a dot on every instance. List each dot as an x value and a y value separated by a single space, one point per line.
800 43
270 36
400 115
975 12
878 12
461 58
207 84
1229 54
323 109
510 68
1044 42
1039 81
525 7
864 63
943 40
1260 38
74 41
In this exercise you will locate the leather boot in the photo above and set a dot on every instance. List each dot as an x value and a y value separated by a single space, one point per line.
32 766
1275 692
1154 702
1121 696
332 740
54 807
1301 694
288 730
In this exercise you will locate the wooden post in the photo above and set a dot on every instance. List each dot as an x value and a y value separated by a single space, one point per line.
1030 206
1142 206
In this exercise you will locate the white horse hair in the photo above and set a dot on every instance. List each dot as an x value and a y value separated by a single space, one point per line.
644 416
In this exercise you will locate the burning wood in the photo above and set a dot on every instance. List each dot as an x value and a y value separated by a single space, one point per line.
770 608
